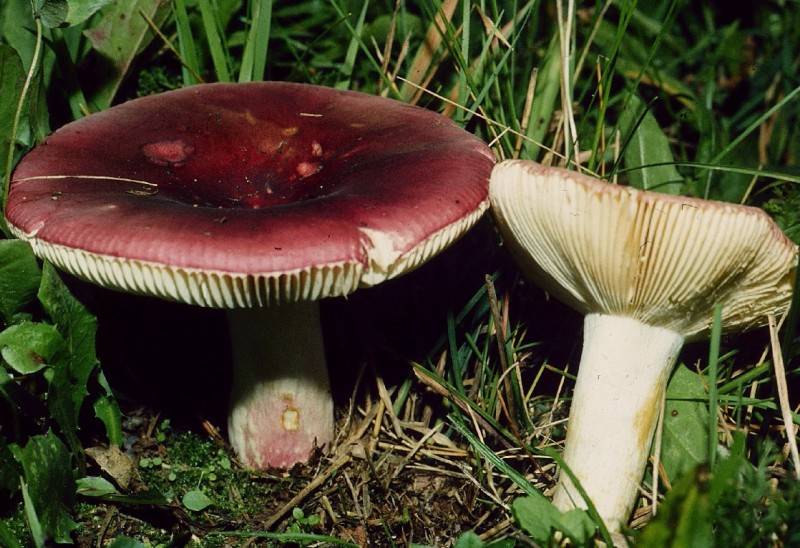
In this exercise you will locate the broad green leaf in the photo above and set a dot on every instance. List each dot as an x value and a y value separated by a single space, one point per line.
647 145
17 28
31 517
19 275
81 10
95 486
540 519
685 435
117 38
29 346
75 363
196 500
53 13
684 518
126 542
19 31
107 410
50 487
76 325
537 517
469 540
11 79
577 525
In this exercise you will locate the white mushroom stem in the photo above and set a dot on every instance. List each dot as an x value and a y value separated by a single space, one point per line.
281 405
623 373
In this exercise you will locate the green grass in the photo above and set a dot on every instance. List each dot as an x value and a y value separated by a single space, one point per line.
693 99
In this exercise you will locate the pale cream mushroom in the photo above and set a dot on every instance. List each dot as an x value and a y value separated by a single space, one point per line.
647 269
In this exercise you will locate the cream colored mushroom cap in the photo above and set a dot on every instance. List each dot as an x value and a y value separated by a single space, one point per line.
664 260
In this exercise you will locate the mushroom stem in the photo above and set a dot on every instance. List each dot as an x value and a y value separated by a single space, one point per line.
281 406
621 381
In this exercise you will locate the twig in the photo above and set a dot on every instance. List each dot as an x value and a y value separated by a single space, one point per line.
342 456
112 511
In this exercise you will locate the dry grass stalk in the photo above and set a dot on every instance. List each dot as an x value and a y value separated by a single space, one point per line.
423 65
783 394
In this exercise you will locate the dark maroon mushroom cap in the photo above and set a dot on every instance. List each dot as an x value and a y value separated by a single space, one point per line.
246 193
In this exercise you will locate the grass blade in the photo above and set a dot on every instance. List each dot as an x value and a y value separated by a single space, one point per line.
254 59
219 56
186 44
780 175
486 452
428 51
548 85
713 368
352 50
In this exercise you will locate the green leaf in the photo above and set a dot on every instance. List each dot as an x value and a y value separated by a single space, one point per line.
540 519
469 540
19 271
31 517
196 500
117 38
685 436
12 77
75 363
126 542
647 145
81 10
537 517
29 346
685 516
95 486
577 525
53 13
107 410
48 487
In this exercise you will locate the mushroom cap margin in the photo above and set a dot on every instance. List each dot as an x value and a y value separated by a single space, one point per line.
393 216
664 260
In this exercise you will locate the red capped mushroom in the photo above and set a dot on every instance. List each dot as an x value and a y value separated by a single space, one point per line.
247 196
